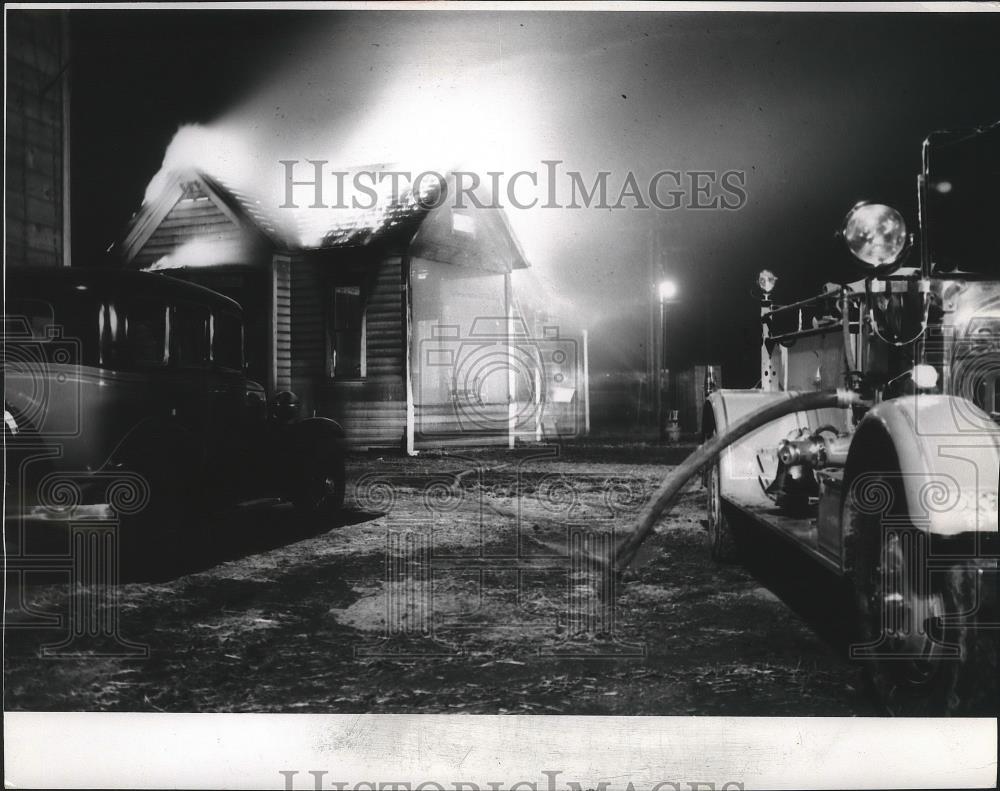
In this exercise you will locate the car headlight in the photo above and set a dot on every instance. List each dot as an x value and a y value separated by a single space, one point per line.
875 234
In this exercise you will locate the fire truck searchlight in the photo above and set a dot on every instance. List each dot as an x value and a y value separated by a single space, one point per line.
875 234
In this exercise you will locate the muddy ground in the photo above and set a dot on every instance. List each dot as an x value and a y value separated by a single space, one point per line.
446 587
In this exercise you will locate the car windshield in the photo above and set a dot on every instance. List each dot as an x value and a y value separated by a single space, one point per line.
82 325
963 202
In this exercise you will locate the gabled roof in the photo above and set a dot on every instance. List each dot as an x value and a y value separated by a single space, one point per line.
241 209
306 228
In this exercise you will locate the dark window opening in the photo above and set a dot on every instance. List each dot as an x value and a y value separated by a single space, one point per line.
346 324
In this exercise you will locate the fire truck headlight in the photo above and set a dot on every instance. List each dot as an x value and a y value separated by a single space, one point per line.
875 234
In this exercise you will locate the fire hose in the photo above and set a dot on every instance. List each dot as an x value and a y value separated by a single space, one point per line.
707 453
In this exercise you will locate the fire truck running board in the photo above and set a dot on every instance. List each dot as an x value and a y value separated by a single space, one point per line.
801 532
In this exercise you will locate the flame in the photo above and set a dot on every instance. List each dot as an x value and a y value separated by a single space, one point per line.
201 253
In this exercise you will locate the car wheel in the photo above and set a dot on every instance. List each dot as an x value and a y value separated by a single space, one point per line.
321 488
920 655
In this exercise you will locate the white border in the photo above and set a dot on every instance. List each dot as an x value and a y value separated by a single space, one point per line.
250 751
532 5
91 750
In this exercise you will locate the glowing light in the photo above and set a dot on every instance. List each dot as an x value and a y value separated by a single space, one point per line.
925 377
217 151
767 280
875 233
463 223
200 253
667 290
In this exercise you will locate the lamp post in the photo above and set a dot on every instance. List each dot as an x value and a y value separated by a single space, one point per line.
766 281
666 290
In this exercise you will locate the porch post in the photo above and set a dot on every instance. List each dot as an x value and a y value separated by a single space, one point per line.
586 384
408 357
511 377
272 328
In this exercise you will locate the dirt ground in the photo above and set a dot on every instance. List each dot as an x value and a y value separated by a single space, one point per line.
446 587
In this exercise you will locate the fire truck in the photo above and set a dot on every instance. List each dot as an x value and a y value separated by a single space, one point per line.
876 445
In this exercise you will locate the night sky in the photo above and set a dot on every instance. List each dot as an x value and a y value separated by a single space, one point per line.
819 110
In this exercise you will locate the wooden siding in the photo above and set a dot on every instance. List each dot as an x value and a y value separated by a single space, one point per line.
282 290
384 322
36 184
372 410
308 333
188 221
376 416
372 416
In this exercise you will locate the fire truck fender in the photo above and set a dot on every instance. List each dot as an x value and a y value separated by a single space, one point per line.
749 464
940 453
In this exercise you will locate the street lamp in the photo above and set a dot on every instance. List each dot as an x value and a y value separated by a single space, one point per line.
666 290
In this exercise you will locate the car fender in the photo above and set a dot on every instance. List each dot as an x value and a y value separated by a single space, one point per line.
166 454
313 439
947 455
749 464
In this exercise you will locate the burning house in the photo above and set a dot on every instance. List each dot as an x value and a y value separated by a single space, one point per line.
398 322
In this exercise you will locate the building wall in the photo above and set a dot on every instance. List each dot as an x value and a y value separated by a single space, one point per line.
373 410
280 377
689 395
461 355
308 339
37 120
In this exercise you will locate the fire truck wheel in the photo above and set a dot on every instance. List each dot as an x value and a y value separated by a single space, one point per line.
919 655
722 537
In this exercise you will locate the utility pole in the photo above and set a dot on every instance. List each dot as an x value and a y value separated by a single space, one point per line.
666 292
652 333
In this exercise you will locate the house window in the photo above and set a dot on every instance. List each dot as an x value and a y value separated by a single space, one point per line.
346 333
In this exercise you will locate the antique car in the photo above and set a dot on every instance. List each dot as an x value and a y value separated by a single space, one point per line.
893 485
130 388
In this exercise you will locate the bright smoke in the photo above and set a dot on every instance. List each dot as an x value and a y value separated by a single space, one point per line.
469 107
214 150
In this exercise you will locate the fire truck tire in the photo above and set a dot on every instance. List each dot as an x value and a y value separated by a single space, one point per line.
919 656
723 542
